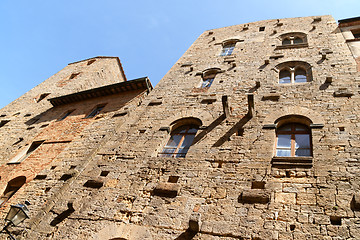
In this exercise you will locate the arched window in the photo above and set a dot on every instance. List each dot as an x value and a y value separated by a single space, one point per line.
180 141
207 81
294 72
293 39
293 140
298 40
300 75
12 187
208 77
284 76
286 41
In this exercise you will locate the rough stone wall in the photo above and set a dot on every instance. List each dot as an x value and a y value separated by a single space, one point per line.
227 186
24 111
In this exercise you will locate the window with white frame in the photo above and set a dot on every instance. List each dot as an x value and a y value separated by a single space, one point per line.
180 141
293 140
294 72
293 39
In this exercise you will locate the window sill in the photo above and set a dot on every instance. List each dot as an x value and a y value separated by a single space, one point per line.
293 84
300 45
292 162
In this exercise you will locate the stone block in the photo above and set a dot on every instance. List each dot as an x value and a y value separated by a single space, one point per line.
166 189
306 198
355 202
254 196
285 198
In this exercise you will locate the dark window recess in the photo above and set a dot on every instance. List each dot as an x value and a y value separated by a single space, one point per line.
72 166
52 167
32 121
104 173
27 115
95 112
173 179
45 125
74 75
41 97
261 29
3 122
65 115
12 187
335 220
47 189
93 184
40 177
91 62
292 227
66 177
3 115
24 155
29 128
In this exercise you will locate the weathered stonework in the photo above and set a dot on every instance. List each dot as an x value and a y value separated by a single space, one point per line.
105 178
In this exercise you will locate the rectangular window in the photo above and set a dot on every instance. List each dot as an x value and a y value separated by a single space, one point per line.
65 115
3 122
227 49
95 111
21 156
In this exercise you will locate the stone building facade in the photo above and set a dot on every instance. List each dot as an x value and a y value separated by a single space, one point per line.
253 134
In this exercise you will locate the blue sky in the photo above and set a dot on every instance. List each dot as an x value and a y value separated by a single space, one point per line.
40 37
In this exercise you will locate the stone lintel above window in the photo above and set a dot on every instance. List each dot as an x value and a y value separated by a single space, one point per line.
292 162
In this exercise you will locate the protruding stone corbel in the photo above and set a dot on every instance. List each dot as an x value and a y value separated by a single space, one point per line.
195 222
251 104
328 80
225 105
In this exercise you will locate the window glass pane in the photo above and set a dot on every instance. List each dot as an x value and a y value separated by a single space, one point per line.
299 127
174 141
285 128
230 50
227 50
187 141
207 83
302 152
284 141
192 130
302 141
300 75
180 155
298 40
223 52
286 41
283 152
182 152
284 76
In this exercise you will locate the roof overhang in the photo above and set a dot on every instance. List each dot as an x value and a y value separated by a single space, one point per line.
136 84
